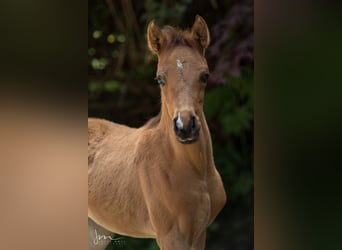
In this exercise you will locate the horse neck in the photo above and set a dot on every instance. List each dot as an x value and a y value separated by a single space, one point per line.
199 153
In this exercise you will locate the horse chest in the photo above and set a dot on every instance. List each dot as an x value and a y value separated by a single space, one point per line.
192 199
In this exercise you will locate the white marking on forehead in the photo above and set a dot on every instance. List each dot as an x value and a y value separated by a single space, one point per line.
180 65
179 122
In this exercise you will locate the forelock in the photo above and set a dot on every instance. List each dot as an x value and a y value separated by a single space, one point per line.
176 37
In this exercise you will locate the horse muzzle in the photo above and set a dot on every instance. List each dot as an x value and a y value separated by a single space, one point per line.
186 126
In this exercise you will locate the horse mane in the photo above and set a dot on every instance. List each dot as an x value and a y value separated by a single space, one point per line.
152 122
176 37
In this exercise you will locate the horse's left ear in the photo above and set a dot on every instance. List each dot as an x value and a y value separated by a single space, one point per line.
200 33
155 38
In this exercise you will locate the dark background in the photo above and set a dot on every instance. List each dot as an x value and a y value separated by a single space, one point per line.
121 88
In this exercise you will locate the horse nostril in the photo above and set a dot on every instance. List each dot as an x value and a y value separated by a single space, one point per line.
193 124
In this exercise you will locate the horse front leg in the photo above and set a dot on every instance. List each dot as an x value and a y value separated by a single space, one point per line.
172 241
200 243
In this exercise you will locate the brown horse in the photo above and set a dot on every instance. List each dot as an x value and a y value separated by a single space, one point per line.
160 181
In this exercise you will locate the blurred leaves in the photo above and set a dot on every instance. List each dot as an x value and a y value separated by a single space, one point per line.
97 88
231 104
99 64
165 12
232 41
229 110
237 121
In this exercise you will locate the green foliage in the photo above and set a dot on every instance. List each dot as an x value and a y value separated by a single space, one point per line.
108 86
231 104
165 11
229 109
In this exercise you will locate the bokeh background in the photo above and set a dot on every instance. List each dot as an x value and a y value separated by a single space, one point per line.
121 70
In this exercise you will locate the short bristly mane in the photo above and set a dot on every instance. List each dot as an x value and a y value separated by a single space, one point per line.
153 122
176 37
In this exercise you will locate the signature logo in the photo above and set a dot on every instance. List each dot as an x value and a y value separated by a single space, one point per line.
105 239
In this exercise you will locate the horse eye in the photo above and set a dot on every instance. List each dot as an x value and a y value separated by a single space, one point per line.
160 80
204 77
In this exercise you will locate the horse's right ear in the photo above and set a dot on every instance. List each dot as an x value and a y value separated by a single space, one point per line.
155 37
200 33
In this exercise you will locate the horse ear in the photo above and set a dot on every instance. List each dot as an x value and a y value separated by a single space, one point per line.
155 37
200 33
